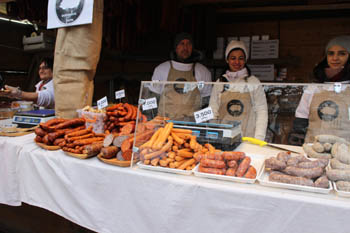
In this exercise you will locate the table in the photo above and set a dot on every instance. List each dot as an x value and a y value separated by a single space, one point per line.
106 198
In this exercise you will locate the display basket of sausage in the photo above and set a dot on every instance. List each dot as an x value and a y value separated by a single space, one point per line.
296 173
232 166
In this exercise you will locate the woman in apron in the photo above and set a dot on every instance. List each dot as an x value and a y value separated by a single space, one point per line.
242 98
326 110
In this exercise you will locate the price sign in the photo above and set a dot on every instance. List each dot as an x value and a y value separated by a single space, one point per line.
120 94
102 103
205 114
150 103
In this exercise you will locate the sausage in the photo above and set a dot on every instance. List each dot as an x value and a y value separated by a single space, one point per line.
212 163
183 131
343 185
177 138
304 172
210 170
129 109
72 139
215 156
70 130
108 140
134 113
233 155
338 174
127 155
69 123
293 161
283 178
186 164
46 126
141 137
316 163
56 134
274 164
163 136
128 128
231 171
152 140
109 152
243 166
184 153
166 147
232 163
58 141
251 173
86 141
322 182
93 149
336 164
46 140
283 156
126 145
40 132
38 139
113 107
78 133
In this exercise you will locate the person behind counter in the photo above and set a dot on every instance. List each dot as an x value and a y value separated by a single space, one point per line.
44 94
245 101
175 102
310 118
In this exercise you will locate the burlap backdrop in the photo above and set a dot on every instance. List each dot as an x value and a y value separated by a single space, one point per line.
77 53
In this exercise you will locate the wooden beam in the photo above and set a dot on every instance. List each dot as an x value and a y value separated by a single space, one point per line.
286 9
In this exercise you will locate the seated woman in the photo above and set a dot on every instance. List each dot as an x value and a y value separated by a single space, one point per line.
323 110
44 94
243 99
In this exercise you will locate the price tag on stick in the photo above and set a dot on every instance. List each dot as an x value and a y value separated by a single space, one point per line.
205 114
150 103
102 103
120 94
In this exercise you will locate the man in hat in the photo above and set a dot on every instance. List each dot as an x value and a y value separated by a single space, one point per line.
181 100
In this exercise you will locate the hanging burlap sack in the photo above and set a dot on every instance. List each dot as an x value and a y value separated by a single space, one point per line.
77 53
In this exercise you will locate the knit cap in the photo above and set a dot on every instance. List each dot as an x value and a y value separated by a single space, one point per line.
235 44
182 36
343 41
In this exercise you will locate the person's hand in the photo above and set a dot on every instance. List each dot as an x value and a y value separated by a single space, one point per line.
11 92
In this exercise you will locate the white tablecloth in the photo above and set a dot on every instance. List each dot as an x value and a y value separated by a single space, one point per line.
106 198
10 149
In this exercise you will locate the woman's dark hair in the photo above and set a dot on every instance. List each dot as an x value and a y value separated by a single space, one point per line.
48 62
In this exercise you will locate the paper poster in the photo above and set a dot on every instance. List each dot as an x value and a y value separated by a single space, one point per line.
66 13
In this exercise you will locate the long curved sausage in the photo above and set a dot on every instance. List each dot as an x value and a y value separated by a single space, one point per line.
243 166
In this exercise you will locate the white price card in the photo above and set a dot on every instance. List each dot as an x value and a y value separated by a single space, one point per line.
102 103
120 94
205 114
150 103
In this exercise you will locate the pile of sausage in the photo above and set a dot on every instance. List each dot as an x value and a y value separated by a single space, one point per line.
70 135
229 163
122 118
172 147
297 170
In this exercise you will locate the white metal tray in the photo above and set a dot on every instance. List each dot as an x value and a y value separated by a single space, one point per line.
264 180
256 160
164 169
339 192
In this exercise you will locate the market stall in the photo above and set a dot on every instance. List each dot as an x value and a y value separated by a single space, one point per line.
158 196
108 198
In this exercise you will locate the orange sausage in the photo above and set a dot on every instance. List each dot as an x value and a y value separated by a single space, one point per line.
243 166
233 155
251 173
212 163
211 170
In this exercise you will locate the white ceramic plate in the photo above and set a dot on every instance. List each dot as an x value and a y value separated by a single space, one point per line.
164 169
264 180
257 161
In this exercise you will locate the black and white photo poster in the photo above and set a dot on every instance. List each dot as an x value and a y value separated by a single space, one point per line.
66 13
